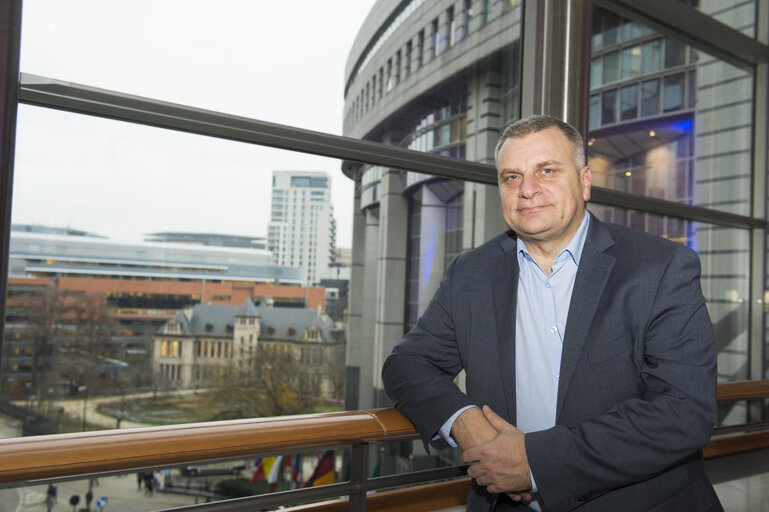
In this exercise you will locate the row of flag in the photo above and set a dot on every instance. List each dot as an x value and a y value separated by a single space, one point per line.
270 468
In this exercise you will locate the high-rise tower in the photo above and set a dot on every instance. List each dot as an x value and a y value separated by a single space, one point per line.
302 229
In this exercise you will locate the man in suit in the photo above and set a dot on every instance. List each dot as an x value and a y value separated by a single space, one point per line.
588 351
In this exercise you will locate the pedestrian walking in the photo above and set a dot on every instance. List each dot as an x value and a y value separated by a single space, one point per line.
50 497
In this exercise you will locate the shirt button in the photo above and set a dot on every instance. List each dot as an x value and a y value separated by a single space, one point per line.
547 285
554 330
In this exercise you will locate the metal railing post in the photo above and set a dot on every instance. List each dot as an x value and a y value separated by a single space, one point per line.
10 43
359 477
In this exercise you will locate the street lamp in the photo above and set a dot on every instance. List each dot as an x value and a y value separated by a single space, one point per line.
82 389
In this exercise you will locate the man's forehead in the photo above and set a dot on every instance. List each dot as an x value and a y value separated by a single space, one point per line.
536 164
552 134
547 147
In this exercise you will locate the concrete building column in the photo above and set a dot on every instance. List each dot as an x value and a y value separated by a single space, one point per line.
482 215
359 393
390 289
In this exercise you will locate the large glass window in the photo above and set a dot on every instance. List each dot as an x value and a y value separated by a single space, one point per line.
724 256
651 56
629 103
673 92
692 117
168 226
609 104
631 62
611 66
126 255
650 97
683 134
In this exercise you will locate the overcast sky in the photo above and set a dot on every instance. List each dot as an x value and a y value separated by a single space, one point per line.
271 60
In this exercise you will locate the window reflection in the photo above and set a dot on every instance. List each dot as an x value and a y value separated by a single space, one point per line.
724 256
740 15
672 119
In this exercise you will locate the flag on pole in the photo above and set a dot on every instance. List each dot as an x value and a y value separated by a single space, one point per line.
272 479
296 471
263 469
258 473
323 473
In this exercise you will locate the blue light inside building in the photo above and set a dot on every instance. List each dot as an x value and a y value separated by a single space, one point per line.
683 126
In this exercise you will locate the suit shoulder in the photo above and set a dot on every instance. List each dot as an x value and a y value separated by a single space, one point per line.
503 242
640 243
477 261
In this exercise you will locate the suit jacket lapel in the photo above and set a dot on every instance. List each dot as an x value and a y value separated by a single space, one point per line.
594 269
505 289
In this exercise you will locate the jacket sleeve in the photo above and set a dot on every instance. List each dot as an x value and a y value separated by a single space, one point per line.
418 375
669 420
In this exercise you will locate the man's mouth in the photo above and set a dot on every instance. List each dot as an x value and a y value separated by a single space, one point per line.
532 209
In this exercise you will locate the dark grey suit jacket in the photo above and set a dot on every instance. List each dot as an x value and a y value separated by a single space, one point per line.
636 397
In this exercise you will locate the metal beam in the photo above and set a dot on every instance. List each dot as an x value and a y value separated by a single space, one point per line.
10 43
693 27
81 99
567 60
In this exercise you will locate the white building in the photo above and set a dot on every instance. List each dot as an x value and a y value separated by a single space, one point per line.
200 339
302 229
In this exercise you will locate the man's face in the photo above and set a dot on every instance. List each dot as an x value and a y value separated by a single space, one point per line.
542 193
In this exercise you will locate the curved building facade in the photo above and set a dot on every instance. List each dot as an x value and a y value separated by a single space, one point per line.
439 77
668 124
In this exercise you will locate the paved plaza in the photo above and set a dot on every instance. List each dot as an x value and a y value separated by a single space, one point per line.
122 492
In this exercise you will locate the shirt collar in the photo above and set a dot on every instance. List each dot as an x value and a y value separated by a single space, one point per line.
573 248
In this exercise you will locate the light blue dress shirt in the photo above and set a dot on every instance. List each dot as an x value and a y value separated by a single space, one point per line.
540 321
542 307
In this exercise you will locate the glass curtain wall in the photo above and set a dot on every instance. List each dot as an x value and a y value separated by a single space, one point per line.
669 121
139 266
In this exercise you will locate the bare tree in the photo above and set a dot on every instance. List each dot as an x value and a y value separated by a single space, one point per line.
335 367
45 311
268 385
61 333
93 323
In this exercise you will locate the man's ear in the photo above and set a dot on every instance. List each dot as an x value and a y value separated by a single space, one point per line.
585 177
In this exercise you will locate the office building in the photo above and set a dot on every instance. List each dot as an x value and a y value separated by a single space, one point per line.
302 229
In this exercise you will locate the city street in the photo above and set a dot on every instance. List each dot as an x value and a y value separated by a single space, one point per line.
121 491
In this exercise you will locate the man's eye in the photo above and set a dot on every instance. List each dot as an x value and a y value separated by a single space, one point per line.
547 171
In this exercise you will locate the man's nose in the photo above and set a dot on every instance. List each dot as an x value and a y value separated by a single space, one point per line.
529 187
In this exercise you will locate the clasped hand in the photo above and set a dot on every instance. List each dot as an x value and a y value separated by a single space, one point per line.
500 464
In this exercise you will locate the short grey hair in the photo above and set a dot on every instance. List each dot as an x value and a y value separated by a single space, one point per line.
537 123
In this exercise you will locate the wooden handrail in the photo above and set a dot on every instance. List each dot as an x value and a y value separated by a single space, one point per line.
418 498
742 390
65 455
61 455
